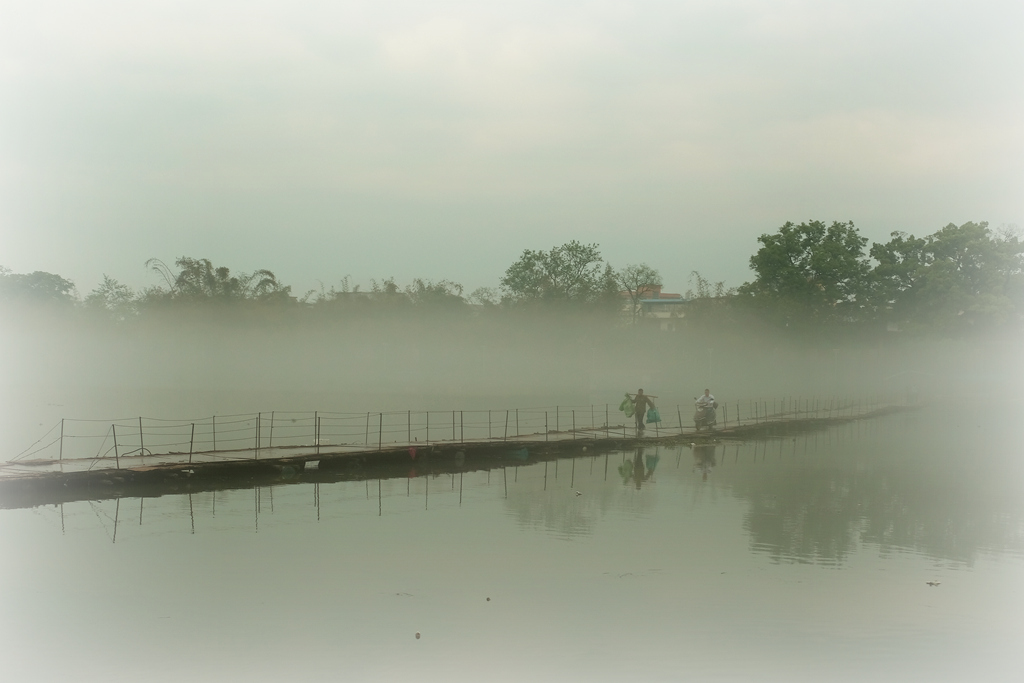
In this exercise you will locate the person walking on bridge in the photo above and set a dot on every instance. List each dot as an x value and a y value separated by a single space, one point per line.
641 402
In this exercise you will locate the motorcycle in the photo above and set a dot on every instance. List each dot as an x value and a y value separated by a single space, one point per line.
705 415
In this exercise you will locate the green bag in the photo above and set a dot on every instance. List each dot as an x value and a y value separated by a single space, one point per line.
627 406
653 416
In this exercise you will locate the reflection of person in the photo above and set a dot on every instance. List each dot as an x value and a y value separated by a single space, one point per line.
634 470
639 476
704 459
641 402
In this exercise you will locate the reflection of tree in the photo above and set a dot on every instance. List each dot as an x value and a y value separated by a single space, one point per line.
557 508
818 511
805 515
951 513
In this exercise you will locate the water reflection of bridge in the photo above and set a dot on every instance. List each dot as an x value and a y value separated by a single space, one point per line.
147 463
814 496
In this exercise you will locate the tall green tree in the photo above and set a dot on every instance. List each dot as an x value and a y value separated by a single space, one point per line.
810 271
954 279
35 288
572 273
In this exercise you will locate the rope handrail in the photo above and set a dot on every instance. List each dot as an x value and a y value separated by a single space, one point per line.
25 452
255 432
38 450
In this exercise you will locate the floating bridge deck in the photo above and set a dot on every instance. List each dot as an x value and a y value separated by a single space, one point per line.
147 460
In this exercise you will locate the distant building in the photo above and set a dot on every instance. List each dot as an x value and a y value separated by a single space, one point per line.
664 307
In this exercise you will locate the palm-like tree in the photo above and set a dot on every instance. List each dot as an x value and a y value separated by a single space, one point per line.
199 280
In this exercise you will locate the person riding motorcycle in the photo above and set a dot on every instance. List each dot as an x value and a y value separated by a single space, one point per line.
705 413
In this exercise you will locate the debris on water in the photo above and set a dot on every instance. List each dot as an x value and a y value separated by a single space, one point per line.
933 583
417 635
488 599
578 493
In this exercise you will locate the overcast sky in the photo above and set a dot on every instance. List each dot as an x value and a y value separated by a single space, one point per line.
440 139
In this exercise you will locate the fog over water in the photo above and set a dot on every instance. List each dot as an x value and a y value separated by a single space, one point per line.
177 367
888 548
803 558
809 552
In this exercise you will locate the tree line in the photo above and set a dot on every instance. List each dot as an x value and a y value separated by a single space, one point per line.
810 276
957 279
570 277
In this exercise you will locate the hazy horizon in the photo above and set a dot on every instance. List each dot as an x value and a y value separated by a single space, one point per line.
394 139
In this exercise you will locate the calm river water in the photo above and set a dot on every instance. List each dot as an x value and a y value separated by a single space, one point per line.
802 558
